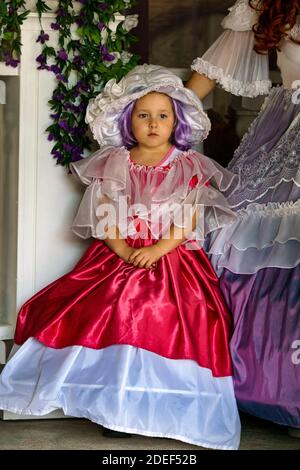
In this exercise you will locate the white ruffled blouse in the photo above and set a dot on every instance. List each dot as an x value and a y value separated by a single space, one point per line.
152 196
234 64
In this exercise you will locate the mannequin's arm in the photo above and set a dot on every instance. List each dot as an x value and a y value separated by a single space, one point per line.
200 84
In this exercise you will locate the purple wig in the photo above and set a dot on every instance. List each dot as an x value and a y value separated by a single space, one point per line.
179 137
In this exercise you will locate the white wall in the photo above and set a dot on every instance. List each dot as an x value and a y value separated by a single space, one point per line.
38 198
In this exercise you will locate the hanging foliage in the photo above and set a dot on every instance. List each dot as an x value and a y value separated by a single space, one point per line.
93 46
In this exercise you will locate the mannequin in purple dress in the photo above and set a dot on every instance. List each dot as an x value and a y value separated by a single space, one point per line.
258 256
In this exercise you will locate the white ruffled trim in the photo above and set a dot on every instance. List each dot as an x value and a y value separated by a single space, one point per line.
241 17
236 87
260 226
250 261
264 236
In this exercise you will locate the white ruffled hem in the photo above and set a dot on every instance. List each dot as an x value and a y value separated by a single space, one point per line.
126 389
259 226
250 261
264 235
236 87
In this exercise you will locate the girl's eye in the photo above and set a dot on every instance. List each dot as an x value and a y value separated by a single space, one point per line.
163 116
143 115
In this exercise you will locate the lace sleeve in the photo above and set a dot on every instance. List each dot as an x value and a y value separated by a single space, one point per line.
241 17
232 61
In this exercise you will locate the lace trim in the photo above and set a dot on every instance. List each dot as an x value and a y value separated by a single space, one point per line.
230 84
251 196
294 33
250 261
270 168
241 17
248 231
273 209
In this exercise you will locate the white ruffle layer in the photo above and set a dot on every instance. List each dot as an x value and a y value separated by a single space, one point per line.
264 235
241 17
126 389
250 261
234 64
157 195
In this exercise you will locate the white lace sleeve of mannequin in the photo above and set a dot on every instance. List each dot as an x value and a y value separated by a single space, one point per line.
231 60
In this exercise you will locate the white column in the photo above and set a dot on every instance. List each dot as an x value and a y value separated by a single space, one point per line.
39 198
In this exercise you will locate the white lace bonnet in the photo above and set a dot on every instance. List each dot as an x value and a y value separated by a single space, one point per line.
104 111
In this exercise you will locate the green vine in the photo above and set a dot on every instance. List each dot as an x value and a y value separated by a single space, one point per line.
93 46
12 16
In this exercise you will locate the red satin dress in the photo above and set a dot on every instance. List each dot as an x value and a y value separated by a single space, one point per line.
175 309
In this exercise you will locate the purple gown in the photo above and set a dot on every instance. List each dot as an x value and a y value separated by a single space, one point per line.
258 256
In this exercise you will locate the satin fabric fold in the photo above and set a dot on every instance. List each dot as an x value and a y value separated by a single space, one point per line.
175 310
265 344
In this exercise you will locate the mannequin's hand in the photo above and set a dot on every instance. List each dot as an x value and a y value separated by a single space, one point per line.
145 257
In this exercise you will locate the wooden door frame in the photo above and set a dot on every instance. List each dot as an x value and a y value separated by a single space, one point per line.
142 30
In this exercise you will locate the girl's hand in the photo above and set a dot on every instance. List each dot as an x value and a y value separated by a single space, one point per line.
145 257
126 252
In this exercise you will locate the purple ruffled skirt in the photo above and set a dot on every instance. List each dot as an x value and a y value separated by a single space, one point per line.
258 260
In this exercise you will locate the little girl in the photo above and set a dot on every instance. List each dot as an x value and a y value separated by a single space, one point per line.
135 337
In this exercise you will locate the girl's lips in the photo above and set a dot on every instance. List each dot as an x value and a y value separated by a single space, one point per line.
152 135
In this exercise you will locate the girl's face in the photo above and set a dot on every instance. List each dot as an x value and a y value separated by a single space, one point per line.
153 120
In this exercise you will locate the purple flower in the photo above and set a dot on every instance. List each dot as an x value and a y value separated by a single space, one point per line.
83 85
55 26
103 6
61 12
64 125
41 59
71 107
54 116
105 54
51 137
62 55
56 154
67 147
11 61
55 69
58 96
76 157
77 131
79 21
61 78
82 107
83 2
74 131
100 25
42 38
78 61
